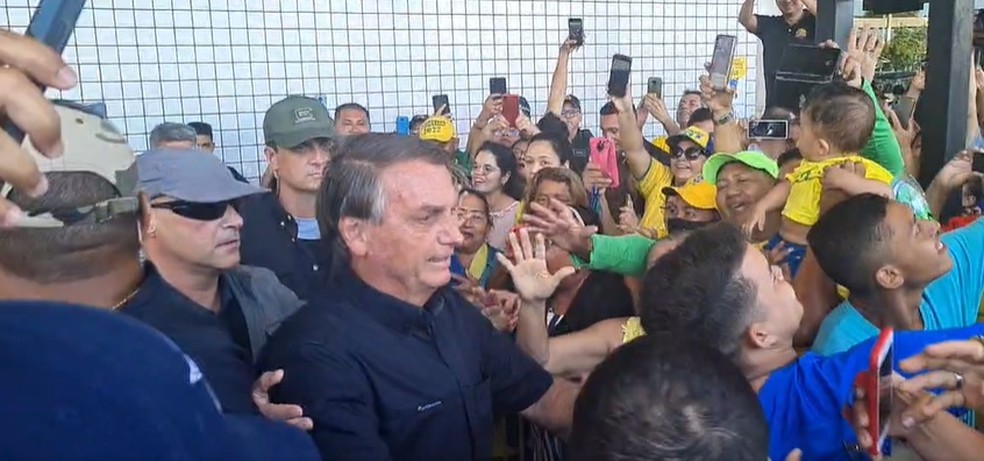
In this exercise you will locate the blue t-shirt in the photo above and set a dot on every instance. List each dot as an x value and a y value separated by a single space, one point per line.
804 402
307 229
952 301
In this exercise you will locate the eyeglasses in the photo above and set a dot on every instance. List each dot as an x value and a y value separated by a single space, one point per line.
691 153
471 216
196 211
571 113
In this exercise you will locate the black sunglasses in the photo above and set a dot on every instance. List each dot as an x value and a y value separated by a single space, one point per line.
691 153
196 211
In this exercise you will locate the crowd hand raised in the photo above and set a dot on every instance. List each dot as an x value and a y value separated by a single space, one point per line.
954 366
530 276
755 221
779 256
656 107
290 414
495 125
23 61
440 112
866 46
569 46
717 101
556 223
502 309
526 126
918 83
594 178
835 176
491 107
904 134
851 66
899 424
959 170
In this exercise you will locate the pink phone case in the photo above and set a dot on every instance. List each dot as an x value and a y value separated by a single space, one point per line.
603 154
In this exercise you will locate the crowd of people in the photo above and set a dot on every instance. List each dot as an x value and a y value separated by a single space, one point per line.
709 296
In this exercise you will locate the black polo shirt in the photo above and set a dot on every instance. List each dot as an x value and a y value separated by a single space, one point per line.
269 240
384 379
208 338
775 35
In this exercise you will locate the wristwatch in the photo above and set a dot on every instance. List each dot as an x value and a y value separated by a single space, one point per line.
724 119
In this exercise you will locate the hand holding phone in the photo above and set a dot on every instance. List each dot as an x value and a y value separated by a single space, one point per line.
768 129
497 85
720 69
618 79
575 31
51 24
441 101
878 389
604 154
655 86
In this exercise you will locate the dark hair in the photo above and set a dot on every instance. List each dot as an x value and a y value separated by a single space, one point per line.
844 116
691 92
417 120
553 125
74 252
202 128
665 396
352 187
351 106
698 290
506 161
702 114
561 146
485 203
849 241
790 155
608 109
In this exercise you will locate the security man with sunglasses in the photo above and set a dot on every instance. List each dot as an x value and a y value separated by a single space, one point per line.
281 231
195 291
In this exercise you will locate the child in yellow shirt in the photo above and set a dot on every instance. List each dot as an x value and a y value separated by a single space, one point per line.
836 122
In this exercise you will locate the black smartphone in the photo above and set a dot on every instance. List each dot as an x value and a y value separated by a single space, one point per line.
768 129
497 85
724 52
904 108
808 64
618 80
52 24
978 163
575 30
656 86
441 100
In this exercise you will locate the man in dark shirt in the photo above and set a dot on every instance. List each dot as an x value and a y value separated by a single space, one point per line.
797 24
390 362
194 292
280 232
206 142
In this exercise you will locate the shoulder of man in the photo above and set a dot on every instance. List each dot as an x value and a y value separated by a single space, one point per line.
263 285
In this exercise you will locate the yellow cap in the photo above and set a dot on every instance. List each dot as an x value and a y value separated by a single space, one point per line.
438 129
698 194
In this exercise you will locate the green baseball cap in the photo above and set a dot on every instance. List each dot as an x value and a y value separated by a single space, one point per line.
295 120
751 159
92 145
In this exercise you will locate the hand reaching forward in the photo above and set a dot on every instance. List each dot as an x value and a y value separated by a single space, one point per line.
290 414
532 279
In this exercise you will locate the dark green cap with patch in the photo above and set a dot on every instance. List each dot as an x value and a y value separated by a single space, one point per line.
295 120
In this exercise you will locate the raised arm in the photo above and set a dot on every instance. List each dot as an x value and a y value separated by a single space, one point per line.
558 84
746 16
631 138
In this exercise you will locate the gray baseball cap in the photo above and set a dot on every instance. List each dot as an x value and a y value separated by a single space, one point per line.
295 120
190 176
92 145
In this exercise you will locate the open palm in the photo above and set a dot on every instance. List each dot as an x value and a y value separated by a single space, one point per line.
530 276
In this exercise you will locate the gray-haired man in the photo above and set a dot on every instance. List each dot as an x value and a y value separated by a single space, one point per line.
169 135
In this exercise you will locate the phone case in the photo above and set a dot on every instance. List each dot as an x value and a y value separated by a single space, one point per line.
403 126
870 381
510 108
603 154
442 100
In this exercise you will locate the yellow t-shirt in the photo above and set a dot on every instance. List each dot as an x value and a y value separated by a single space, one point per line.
803 204
651 188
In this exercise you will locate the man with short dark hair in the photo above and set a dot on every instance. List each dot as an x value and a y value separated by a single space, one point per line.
665 397
351 119
279 231
900 271
206 143
719 290
388 360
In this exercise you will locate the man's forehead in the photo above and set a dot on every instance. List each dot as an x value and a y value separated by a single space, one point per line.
419 183
352 112
739 168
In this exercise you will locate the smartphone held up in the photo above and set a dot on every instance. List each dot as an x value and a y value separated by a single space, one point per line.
618 79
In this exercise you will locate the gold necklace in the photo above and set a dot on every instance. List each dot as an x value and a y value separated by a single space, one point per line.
127 298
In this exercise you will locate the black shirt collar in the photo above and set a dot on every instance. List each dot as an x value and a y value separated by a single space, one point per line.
385 309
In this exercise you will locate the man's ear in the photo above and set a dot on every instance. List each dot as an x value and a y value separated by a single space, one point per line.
271 156
354 233
760 337
889 277
148 221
